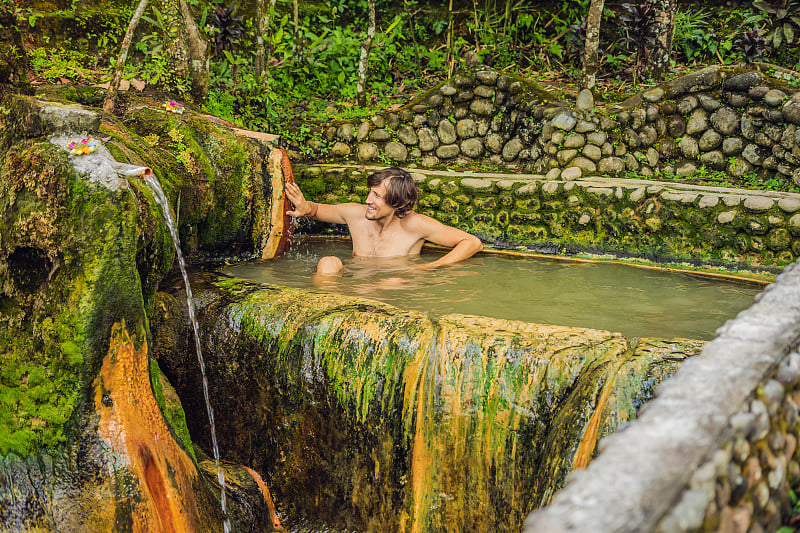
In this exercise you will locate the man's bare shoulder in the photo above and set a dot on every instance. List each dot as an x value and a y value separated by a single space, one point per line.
351 210
418 222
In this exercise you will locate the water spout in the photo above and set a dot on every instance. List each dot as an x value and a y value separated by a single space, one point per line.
158 193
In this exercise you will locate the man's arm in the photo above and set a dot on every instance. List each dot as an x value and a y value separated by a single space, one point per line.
462 243
333 213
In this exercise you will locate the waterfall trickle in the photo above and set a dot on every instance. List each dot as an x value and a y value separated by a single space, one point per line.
161 198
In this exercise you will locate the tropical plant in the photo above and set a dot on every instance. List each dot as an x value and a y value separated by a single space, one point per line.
752 44
226 27
693 36
636 23
784 21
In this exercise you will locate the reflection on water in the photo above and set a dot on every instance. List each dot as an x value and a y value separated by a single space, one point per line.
634 301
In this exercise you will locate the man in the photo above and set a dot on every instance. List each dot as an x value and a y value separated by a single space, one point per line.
386 226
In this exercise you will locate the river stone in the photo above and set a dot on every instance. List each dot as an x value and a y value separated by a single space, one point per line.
571 173
708 201
737 99
739 167
592 151
726 217
483 127
380 135
689 148
447 151
653 95
564 121
346 131
463 80
791 111
419 121
565 156
714 159
709 103
427 140
472 147
512 148
652 156
494 143
433 118
367 151
466 128
574 140
463 96
396 151
774 97
732 146
686 169
586 165
597 137
631 138
789 205
340 149
585 126
483 91
448 89
648 136
483 107
585 100
701 80
676 125
668 149
435 100
698 122
709 140
487 77
407 135
419 108
759 203
725 121
743 82
611 165
748 128
753 154
446 131
638 118
363 131
687 104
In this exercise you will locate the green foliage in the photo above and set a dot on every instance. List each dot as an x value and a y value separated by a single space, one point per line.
784 21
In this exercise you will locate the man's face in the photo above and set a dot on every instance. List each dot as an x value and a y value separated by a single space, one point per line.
377 208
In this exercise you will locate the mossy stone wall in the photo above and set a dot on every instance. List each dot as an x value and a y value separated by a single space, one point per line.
657 220
724 119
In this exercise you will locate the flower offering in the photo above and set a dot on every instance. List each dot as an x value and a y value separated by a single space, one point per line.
84 146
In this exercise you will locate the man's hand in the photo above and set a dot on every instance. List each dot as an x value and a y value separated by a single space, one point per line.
302 208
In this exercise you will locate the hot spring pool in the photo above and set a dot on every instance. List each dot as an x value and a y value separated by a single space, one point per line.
636 302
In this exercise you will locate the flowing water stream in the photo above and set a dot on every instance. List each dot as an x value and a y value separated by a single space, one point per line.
161 198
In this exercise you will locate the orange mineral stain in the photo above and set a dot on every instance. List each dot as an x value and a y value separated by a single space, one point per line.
132 425
281 225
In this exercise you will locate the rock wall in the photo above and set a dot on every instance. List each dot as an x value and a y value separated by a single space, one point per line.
366 417
720 119
716 450
89 441
658 220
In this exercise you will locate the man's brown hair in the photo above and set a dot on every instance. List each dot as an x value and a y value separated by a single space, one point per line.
401 193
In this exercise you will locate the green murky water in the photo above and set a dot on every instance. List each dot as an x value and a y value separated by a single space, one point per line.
634 301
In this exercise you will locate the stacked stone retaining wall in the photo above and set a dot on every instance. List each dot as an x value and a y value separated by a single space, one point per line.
716 450
662 221
740 122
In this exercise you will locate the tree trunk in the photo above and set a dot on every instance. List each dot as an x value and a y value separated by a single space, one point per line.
655 57
198 54
262 23
113 89
590 58
361 97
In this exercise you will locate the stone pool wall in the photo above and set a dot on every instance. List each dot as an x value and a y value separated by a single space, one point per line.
731 120
716 450
662 221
